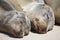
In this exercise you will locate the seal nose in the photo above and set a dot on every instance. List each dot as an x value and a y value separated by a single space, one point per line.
43 31
17 34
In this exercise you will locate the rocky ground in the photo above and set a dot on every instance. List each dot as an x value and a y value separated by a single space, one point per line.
51 35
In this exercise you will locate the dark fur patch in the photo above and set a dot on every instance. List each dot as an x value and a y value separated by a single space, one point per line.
5 5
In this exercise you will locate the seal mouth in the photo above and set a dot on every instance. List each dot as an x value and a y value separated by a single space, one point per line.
16 34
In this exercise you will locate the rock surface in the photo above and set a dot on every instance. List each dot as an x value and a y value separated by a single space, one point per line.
51 35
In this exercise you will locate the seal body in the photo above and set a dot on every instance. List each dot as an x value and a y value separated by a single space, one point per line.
41 16
12 21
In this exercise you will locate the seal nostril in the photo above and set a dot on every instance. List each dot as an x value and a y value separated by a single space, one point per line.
36 19
43 30
21 22
18 33
14 33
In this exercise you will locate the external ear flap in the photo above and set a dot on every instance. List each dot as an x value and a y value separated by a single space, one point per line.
5 5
